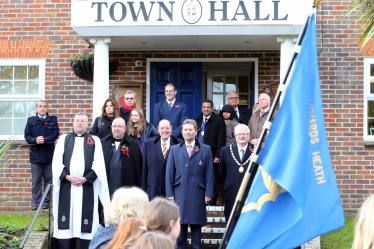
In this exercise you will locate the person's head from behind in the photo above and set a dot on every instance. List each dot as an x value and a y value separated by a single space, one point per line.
154 240
126 202
162 215
364 229
126 234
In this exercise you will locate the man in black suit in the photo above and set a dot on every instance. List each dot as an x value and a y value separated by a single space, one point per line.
122 156
233 163
242 113
155 152
212 131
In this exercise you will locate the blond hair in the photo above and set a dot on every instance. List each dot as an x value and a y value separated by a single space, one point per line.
126 234
154 240
141 125
159 213
126 202
364 229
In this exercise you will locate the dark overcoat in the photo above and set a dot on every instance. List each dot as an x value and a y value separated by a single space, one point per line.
189 180
48 128
131 173
229 172
102 127
176 115
154 166
214 133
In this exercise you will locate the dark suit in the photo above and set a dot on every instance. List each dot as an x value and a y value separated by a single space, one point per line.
244 114
130 166
215 137
154 166
176 115
229 172
189 180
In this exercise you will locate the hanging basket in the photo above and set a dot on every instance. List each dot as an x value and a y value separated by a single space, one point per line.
84 69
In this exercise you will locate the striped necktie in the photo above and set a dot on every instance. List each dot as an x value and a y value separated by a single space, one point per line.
164 149
170 105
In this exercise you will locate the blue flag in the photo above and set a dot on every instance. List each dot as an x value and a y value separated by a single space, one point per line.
294 197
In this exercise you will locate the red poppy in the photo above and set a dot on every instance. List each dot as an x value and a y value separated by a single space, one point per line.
232 127
176 106
90 141
250 149
45 123
197 149
125 150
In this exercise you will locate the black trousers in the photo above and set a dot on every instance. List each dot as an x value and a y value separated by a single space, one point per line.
195 237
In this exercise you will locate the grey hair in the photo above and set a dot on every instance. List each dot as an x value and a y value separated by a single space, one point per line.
130 92
241 126
80 113
232 91
190 121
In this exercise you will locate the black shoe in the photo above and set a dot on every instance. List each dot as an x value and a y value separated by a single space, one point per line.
45 207
34 208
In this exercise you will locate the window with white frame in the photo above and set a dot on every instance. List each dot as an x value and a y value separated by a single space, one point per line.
22 84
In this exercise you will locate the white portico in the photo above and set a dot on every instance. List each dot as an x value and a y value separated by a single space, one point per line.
148 25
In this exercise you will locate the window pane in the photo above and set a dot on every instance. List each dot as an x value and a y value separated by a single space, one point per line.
33 72
6 72
6 128
218 101
371 109
33 87
20 87
244 100
13 116
19 126
218 83
230 87
231 80
6 87
20 109
20 73
243 82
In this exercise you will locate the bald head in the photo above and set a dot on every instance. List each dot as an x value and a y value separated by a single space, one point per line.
164 128
118 128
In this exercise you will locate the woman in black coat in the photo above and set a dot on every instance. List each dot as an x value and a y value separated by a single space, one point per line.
103 124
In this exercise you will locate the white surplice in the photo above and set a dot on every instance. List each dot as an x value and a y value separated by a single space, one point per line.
77 169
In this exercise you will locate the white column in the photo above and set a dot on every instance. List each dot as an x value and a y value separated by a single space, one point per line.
287 45
101 73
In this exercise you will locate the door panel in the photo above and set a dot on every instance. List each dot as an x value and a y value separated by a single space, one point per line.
186 76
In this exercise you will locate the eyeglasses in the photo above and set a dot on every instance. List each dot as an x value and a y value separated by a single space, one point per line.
234 98
242 134
129 98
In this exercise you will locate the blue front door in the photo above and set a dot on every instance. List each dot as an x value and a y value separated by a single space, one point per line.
186 76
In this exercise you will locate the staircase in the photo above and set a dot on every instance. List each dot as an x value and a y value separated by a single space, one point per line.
212 234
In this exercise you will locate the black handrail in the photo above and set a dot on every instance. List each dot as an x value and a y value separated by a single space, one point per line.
46 192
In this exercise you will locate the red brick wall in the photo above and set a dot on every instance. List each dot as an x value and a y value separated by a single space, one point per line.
341 71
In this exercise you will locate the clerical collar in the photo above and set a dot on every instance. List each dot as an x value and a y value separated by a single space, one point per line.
78 135
117 139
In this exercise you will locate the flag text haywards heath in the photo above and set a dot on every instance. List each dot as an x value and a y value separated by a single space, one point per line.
313 134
